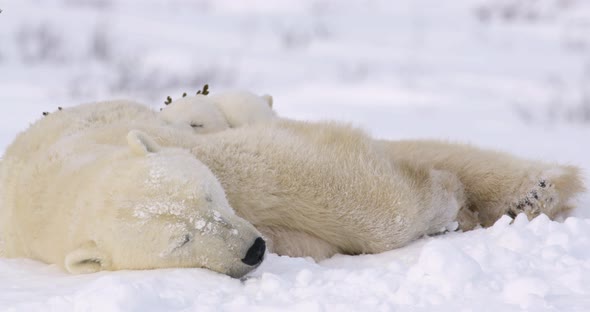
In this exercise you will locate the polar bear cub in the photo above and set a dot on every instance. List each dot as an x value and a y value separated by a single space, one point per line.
214 113
88 188
199 113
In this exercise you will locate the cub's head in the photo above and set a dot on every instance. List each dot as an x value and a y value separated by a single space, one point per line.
161 208
198 112
214 113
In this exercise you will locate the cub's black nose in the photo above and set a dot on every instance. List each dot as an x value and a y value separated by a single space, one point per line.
256 253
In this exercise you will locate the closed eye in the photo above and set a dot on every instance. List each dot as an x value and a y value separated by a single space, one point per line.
177 243
183 240
197 125
187 238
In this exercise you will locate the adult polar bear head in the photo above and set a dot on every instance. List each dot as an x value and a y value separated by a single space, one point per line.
106 198
214 113
164 209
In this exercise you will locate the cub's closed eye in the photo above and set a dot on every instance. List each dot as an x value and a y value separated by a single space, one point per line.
197 125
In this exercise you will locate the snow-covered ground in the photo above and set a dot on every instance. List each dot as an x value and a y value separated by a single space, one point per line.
513 75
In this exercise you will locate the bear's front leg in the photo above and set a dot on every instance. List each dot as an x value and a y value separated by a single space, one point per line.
495 183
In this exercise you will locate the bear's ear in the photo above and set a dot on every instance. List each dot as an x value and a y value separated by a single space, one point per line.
87 259
268 99
141 143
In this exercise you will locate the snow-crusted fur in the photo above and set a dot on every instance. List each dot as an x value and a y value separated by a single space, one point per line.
316 189
88 188
495 183
214 113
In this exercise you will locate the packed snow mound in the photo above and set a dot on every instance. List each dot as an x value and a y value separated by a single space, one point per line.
539 265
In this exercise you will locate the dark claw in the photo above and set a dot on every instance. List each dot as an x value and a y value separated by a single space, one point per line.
543 183
511 214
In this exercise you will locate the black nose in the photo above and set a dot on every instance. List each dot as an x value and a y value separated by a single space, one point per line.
256 253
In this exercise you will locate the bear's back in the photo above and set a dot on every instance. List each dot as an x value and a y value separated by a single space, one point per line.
44 133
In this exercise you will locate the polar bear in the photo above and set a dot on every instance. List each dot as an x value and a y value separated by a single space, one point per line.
310 189
198 113
106 187
88 188
214 113
495 183
317 189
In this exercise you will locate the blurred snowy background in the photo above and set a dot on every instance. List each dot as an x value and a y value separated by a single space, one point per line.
507 74
319 58
513 75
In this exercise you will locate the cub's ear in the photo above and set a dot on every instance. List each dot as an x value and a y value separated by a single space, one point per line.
87 259
141 143
268 99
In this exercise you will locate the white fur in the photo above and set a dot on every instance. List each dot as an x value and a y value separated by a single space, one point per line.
243 108
312 189
316 189
199 113
108 186
214 113
495 183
